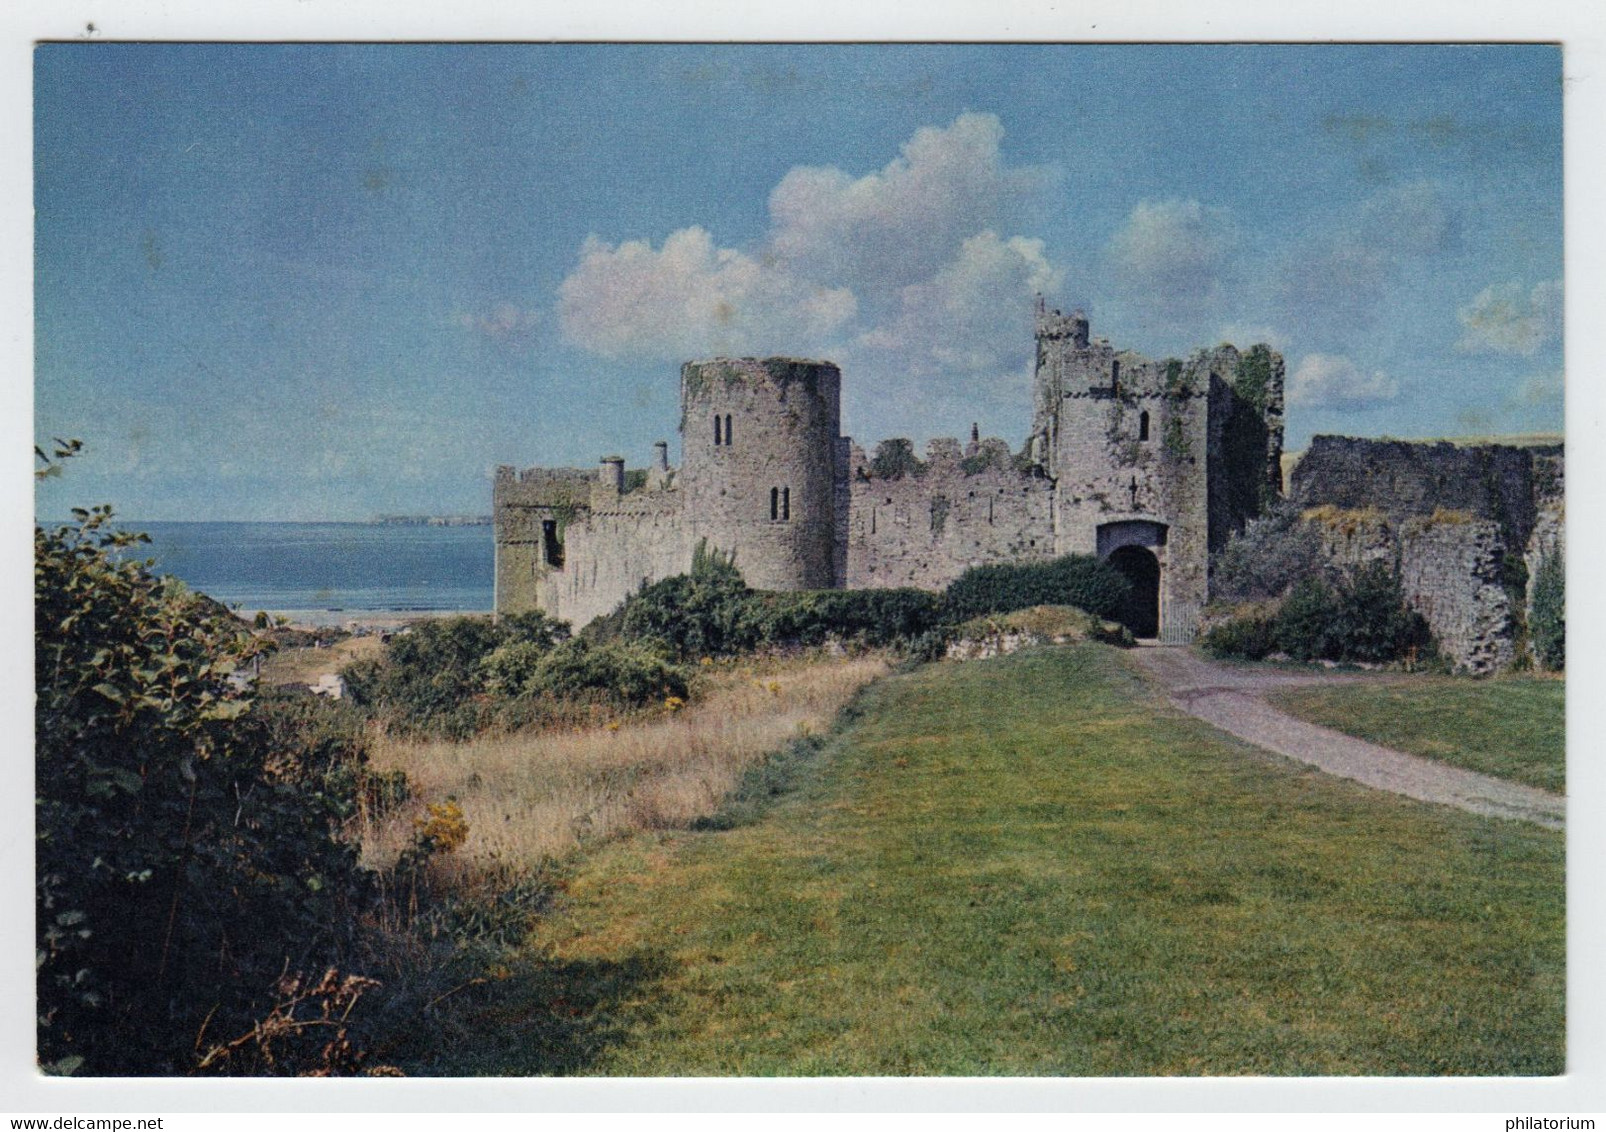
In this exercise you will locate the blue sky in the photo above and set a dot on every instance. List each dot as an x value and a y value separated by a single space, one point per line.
322 282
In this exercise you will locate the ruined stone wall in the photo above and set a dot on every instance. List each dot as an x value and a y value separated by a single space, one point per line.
925 529
1496 482
1549 535
1246 438
1450 572
1450 568
761 444
1458 516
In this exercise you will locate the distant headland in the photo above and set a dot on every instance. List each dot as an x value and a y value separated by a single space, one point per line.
432 520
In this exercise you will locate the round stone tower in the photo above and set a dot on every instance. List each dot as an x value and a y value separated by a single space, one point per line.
759 441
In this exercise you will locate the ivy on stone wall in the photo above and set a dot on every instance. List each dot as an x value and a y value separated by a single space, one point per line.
1176 382
1548 625
1253 377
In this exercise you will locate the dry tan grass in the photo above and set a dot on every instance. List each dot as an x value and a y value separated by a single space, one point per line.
540 795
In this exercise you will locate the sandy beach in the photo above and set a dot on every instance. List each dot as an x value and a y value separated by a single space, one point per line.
365 619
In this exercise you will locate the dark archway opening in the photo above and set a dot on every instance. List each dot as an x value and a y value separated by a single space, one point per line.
1141 568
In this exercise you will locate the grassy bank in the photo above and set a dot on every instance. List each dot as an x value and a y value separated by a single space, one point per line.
1509 726
1030 866
533 796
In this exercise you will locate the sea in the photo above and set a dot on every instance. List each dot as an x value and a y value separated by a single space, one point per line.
355 567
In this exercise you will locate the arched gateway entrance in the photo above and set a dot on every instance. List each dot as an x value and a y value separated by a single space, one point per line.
1141 613
1133 547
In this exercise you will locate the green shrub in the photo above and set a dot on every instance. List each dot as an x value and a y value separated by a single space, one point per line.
1079 580
326 742
895 459
623 674
427 679
1250 636
1360 617
691 615
186 856
1548 622
1371 621
1267 557
876 618
1301 628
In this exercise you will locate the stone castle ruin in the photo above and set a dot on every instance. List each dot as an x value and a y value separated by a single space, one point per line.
1466 526
1149 465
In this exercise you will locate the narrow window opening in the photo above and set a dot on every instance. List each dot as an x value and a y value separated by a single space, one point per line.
775 504
727 430
719 437
551 545
786 504
1115 377
1143 425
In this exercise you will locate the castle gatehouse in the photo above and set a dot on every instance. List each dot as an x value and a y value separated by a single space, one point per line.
1151 465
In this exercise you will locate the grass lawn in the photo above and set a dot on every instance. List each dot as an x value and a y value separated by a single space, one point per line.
1509 726
1031 866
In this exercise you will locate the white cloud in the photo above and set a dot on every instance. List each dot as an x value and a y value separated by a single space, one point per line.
974 314
904 274
1335 382
1508 318
690 298
1175 253
897 225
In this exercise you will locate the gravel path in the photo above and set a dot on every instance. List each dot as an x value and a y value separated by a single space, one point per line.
1230 698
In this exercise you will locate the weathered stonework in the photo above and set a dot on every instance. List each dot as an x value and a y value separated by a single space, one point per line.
1450 519
1150 464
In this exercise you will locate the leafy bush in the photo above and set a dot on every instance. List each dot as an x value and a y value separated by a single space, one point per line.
1360 616
186 857
1076 579
895 459
628 675
1371 620
1251 635
1548 622
327 741
427 679
1267 557
876 618
691 615
1301 629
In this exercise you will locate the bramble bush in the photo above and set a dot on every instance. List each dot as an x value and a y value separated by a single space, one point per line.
1079 580
1250 634
187 858
621 674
